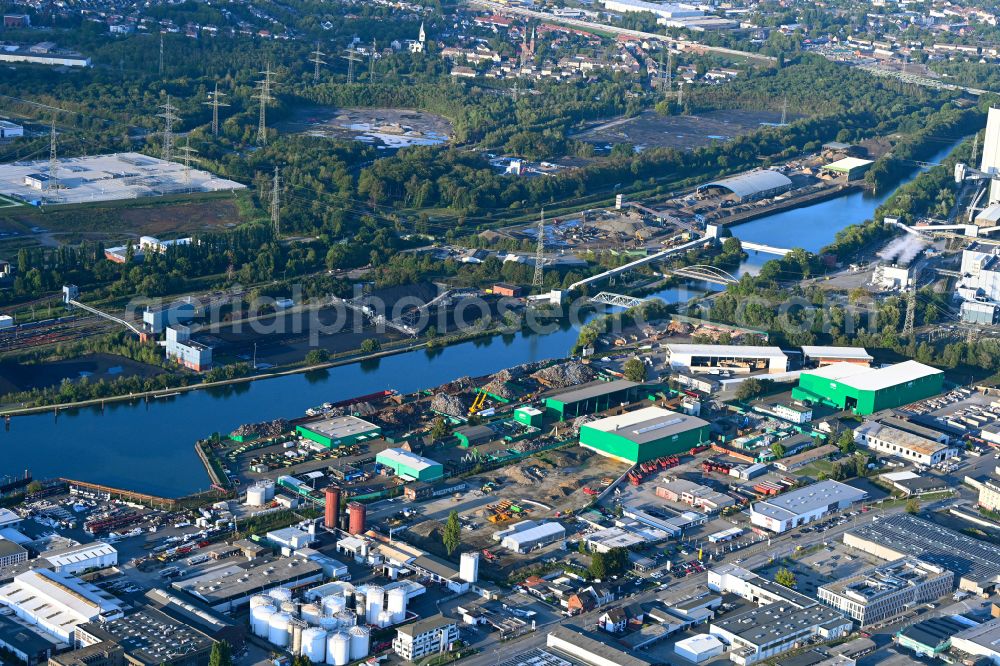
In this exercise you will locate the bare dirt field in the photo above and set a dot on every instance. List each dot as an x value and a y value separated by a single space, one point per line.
384 128
651 130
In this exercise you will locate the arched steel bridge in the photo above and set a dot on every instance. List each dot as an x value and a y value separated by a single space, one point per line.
706 274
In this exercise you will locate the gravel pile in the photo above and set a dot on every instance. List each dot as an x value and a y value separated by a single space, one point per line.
566 374
265 429
448 404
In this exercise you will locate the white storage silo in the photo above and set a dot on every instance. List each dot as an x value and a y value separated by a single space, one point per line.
396 604
311 613
374 598
260 600
468 569
346 619
290 607
314 644
295 629
255 496
338 649
277 632
360 639
328 623
280 594
384 619
260 620
333 604
360 604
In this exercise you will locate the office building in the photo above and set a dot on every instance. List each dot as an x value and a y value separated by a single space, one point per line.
57 602
886 591
863 390
643 435
734 579
804 505
989 495
902 444
426 636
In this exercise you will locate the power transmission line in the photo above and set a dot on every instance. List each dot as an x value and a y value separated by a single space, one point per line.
275 206
161 54
215 102
371 64
317 60
263 94
351 58
169 117
53 182
187 153
537 280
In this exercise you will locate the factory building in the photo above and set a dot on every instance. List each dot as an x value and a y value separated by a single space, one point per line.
768 631
975 562
430 635
662 10
149 638
902 444
26 646
979 285
814 356
9 130
979 641
738 359
56 602
12 553
643 435
852 168
410 466
339 431
535 536
101 654
990 162
591 398
81 557
589 649
231 587
884 592
695 495
749 186
699 648
182 349
804 505
864 390
156 319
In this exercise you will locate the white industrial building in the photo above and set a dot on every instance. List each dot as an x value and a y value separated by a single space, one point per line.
891 277
699 648
81 557
749 186
57 602
588 649
535 536
427 636
180 348
990 162
793 413
662 10
980 641
820 355
738 359
804 505
979 285
768 631
293 537
9 130
901 444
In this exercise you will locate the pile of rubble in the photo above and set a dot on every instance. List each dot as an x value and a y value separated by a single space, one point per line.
451 405
566 374
265 429
402 415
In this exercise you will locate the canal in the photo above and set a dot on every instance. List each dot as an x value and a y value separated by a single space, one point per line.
149 447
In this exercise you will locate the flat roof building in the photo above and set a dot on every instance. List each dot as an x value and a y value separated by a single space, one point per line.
975 562
792 463
591 398
886 591
695 494
231 587
825 355
768 631
752 185
643 435
80 557
27 646
339 431
851 167
590 649
979 641
864 390
739 359
804 505
150 638
536 536
57 602
902 444
410 466
427 636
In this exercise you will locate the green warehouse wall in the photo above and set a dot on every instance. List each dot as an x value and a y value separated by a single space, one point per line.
836 394
619 447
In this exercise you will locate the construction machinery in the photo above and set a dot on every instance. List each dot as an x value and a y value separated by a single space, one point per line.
479 402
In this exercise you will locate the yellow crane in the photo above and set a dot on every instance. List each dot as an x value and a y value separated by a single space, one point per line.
478 402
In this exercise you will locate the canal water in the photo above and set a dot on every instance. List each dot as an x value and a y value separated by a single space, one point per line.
149 447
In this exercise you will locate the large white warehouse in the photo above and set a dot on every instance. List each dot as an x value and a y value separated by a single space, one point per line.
57 602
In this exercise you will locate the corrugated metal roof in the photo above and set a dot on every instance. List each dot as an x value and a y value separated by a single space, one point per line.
727 350
749 184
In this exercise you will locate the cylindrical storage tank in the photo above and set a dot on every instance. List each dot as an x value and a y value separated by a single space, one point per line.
396 604
277 632
468 569
290 607
260 600
328 623
357 524
280 594
338 649
374 598
295 629
360 637
384 619
311 613
346 619
332 508
260 620
360 604
256 495
314 644
333 604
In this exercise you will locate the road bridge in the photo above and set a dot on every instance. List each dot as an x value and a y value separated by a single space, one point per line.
760 247
924 81
621 300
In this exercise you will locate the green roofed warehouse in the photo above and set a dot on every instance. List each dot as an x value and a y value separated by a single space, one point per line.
410 465
339 431
643 435
865 390
591 398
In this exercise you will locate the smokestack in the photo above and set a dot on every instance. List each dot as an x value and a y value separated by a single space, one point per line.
357 510
332 507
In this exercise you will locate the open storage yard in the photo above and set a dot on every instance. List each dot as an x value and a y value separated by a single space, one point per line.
385 128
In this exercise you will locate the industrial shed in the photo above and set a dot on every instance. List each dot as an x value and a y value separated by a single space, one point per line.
643 435
406 464
864 390
750 186
592 398
339 431
852 167
740 359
